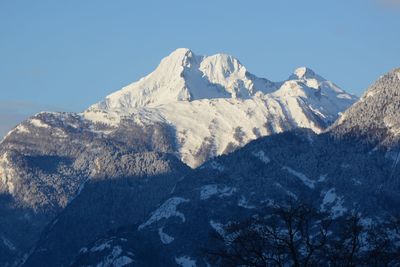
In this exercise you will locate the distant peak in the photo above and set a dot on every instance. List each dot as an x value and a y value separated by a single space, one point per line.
303 73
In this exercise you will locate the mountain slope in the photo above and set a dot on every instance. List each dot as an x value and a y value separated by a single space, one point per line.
335 172
375 117
109 201
329 176
46 161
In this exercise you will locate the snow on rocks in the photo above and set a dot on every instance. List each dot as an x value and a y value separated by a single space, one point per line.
8 244
165 211
22 129
244 203
208 191
122 261
165 238
322 178
262 157
289 193
306 181
217 166
218 227
335 202
114 259
185 261
101 246
38 123
7 174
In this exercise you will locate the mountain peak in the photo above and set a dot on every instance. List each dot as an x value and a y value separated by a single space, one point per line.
219 62
181 51
380 86
303 73
183 76
181 57
374 118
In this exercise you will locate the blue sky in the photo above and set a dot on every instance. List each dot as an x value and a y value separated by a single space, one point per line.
67 55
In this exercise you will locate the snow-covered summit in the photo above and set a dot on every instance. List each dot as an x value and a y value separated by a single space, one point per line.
303 73
184 76
215 105
319 85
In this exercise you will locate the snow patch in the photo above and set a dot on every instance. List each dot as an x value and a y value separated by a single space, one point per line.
22 129
122 261
336 203
111 119
329 198
261 156
60 133
185 261
244 203
7 173
218 227
217 166
208 191
114 260
165 211
322 178
8 244
38 123
338 209
289 193
101 247
345 165
306 181
165 238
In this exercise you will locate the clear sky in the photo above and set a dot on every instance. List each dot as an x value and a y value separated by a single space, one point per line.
67 55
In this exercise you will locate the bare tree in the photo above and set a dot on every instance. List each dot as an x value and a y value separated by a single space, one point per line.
291 233
296 235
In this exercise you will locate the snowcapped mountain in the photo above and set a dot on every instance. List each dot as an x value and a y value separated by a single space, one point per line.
184 76
216 105
191 108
